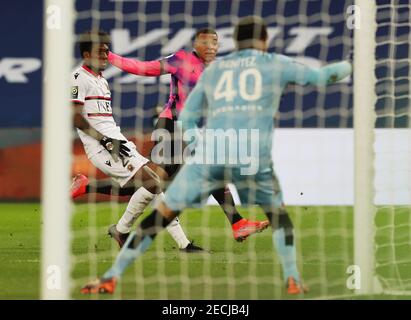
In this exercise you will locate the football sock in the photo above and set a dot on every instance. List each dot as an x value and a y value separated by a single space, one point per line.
137 243
287 255
226 202
283 240
138 202
127 255
175 230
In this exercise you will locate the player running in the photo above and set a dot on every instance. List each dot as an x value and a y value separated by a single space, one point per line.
241 91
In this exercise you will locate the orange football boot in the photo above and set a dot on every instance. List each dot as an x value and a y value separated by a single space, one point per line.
294 287
78 187
100 286
244 228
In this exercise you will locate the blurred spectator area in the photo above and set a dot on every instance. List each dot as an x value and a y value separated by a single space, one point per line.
20 163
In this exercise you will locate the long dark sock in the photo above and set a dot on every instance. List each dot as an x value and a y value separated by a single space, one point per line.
226 202
279 218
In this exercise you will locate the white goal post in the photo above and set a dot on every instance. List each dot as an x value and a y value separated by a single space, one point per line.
56 152
364 121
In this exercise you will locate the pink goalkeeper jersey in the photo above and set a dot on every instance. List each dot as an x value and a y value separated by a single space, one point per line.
185 69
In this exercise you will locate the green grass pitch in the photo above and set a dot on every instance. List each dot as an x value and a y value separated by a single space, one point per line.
232 270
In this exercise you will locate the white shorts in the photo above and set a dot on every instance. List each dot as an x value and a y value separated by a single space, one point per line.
124 169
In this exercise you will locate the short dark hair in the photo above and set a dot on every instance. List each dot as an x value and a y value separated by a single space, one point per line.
205 31
87 39
250 28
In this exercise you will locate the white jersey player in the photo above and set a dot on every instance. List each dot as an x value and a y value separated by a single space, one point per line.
106 147
92 98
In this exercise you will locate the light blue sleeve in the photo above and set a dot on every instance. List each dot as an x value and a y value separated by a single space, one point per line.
298 73
194 106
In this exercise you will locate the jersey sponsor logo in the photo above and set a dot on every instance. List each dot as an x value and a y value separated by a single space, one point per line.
108 163
104 106
74 92
76 75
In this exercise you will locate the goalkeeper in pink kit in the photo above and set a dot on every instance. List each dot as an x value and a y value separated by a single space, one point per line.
185 69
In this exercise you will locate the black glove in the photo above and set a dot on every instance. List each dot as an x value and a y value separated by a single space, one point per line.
115 147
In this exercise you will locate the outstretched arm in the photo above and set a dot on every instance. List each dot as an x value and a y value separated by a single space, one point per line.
153 68
301 74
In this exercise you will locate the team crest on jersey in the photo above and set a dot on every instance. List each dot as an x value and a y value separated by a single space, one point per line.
74 92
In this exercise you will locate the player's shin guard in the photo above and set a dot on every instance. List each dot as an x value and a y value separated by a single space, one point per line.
138 202
137 243
175 230
283 240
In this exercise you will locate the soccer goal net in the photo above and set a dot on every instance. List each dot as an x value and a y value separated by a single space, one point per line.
342 154
392 147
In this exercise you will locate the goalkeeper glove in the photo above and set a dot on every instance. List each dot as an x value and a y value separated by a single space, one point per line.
115 147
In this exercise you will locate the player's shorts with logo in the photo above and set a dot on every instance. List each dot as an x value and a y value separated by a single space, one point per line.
194 182
124 169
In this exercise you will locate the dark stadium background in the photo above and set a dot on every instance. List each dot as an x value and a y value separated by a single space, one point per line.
21 29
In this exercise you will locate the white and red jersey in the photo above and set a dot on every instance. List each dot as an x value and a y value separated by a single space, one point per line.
91 93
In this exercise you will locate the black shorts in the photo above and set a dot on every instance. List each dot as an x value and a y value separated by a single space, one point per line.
168 124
